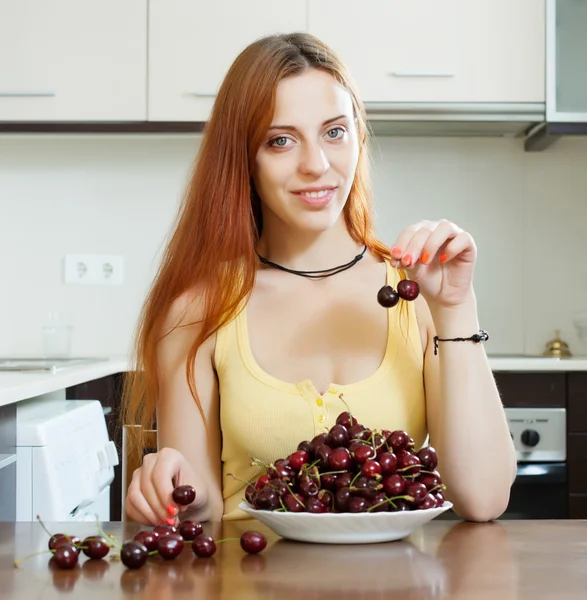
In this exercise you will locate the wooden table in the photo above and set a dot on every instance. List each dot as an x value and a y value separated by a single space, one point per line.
506 560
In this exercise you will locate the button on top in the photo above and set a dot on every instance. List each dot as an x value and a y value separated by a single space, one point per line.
321 419
332 390
319 402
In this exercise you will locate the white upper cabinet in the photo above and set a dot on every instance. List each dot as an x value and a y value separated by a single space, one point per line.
192 43
438 50
73 60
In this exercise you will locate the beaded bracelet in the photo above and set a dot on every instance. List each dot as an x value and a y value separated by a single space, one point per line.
482 336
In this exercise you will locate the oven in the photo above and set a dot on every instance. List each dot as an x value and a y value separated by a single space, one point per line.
540 488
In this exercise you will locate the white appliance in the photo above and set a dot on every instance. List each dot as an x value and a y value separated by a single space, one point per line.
64 461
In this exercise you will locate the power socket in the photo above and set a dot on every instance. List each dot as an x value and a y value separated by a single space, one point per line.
93 269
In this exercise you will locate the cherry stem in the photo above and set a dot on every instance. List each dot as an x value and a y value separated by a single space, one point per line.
19 560
43 526
355 478
241 480
227 540
440 486
107 536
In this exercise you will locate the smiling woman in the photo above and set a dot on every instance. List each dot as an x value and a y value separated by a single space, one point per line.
263 323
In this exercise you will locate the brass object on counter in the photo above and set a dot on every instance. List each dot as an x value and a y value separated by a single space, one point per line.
557 348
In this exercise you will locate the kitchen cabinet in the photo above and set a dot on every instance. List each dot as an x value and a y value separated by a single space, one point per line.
438 50
8 463
72 60
192 44
566 51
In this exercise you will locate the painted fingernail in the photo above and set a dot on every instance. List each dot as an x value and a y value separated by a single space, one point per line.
396 252
425 257
443 257
407 260
171 510
170 521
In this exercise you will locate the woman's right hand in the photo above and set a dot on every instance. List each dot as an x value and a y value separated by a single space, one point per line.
150 491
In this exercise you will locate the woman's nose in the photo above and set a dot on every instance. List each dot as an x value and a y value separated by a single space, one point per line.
313 160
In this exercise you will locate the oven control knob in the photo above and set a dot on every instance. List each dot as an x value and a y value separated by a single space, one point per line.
530 437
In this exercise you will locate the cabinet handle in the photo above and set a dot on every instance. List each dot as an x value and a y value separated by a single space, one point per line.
420 74
7 459
22 94
202 95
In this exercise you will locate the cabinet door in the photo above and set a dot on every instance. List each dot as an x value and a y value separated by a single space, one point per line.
437 50
567 54
73 60
192 44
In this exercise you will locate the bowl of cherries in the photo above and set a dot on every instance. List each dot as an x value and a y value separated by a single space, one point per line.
351 485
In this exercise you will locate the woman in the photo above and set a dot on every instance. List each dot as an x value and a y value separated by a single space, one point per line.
244 350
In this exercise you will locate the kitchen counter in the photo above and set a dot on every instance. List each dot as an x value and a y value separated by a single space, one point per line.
19 385
504 560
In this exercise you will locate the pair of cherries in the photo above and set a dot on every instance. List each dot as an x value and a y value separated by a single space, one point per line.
406 289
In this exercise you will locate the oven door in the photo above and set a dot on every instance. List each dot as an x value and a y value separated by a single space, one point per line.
539 492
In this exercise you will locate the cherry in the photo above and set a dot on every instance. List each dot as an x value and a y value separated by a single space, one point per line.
294 503
394 485
408 290
355 431
54 539
250 494
170 546
298 459
398 440
401 505
439 498
428 458
72 540
346 420
409 464
363 453
430 480
184 495
279 486
428 502
65 556
267 499
96 546
322 455
340 459
326 497
318 441
253 542
380 503
328 481
308 486
388 462
341 498
280 470
343 480
133 554
148 539
262 481
306 446
338 436
313 505
387 297
204 546
356 504
371 468
417 491
190 530
162 529
365 487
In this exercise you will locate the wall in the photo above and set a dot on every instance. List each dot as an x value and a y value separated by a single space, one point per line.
119 195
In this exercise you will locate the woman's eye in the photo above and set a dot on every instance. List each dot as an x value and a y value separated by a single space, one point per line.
280 142
335 133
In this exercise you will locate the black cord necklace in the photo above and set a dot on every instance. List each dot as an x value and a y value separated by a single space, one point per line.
315 274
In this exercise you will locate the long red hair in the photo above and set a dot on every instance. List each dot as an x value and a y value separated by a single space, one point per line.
219 221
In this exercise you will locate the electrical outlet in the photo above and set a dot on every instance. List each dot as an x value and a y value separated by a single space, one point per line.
93 269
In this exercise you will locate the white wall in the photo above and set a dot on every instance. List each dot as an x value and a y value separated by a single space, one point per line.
119 195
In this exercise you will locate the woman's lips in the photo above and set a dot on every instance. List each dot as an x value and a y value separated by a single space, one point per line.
316 199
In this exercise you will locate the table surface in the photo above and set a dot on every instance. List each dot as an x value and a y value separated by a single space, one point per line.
505 560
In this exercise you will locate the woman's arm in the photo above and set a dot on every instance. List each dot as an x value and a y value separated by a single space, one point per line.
465 416
179 423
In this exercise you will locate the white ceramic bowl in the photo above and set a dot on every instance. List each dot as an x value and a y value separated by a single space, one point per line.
344 528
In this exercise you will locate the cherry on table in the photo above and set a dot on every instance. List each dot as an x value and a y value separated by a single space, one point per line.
170 546
148 539
204 546
95 546
65 556
253 542
133 554
190 530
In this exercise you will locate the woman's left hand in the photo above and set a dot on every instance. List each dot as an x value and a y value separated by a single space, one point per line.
440 257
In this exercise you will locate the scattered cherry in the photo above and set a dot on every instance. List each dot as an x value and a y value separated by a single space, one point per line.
170 545
133 554
253 542
204 546
190 530
148 539
95 546
65 556
184 495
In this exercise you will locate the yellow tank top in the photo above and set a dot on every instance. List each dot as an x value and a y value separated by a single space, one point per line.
266 418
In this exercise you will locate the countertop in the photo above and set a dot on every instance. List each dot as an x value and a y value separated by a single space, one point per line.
16 386
503 560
